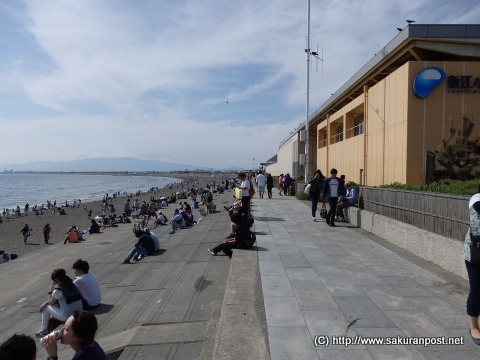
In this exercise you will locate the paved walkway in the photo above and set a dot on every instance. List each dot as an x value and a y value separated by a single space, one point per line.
313 280
318 280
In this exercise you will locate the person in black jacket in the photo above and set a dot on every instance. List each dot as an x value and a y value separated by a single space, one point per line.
242 233
316 189
144 246
333 189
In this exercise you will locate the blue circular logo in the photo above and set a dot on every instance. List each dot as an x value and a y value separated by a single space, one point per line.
427 80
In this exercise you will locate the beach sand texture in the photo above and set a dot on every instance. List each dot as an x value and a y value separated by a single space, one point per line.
11 239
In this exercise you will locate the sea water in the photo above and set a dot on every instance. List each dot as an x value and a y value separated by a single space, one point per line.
37 188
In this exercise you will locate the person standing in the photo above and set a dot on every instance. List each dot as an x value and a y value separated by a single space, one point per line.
269 185
245 187
126 207
260 184
473 269
332 189
316 188
46 233
286 184
280 184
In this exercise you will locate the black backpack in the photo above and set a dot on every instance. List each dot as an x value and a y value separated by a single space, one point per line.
250 241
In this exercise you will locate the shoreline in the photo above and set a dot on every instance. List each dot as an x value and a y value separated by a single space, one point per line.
92 195
11 239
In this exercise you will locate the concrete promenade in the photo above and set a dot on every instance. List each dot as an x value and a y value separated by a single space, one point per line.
304 279
166 306
318 280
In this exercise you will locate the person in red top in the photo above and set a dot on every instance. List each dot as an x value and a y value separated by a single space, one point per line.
280 184
71 236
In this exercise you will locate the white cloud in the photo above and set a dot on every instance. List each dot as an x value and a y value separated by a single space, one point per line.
117 74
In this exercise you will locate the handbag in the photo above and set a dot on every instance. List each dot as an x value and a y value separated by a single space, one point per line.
307 189
323 212
474 249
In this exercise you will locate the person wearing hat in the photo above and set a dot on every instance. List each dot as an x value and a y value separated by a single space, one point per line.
178 222
144 246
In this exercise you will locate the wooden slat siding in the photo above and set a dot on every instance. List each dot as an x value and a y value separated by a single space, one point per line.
443 214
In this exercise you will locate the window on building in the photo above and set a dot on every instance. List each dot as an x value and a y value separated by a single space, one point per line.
358 123
339 133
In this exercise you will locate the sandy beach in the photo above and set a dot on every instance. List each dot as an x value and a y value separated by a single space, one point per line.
11 239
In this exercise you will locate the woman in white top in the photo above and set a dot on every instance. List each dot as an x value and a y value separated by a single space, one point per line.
63 299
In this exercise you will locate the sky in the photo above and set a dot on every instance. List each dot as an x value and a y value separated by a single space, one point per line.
211 83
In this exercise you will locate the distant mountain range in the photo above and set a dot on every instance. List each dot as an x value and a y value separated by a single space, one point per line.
103 165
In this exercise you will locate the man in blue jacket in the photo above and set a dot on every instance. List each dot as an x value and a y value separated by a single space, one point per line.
332 190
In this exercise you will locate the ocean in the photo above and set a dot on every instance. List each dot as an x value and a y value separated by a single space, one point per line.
19 189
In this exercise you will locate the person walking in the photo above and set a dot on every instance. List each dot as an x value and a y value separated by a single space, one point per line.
269 185
26 232
332 189
46 233
316 188
473 268
245 187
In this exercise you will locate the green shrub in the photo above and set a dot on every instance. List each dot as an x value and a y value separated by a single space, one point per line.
459 188
300 195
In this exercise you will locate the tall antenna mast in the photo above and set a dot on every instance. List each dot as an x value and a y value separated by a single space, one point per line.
307 142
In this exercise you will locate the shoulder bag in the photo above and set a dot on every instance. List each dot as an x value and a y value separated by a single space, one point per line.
474 248
323 212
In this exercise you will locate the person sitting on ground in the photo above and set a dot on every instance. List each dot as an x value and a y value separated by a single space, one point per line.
242 233
94 228
4 257
87 284
78 332
71 236
349 199
156 242
188 217
63 299
78 232
178 222
104 223
62 212
18 347
144 246
210 205
161 220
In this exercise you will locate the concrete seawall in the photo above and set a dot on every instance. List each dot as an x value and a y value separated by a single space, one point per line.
437 249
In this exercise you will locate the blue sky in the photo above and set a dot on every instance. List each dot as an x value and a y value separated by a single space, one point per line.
151 78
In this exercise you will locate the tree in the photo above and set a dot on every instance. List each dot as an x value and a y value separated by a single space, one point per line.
459 155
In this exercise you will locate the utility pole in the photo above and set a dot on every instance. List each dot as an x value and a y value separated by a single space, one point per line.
307 143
